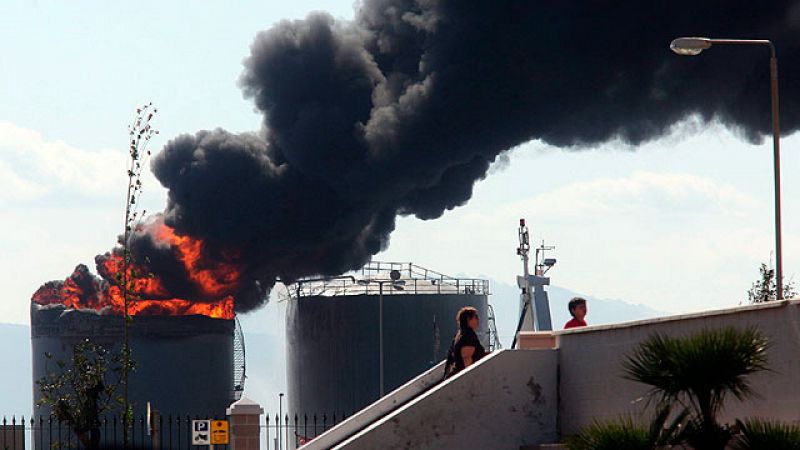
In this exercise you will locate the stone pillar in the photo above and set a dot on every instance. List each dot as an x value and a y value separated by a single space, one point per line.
245 417
537 340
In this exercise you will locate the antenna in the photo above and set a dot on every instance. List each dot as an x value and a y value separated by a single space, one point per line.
532 286
524 282
523 250
544 264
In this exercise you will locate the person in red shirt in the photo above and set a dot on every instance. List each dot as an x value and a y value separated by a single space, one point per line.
577 308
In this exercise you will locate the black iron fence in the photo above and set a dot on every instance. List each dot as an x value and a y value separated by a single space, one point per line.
49 433
292 432
167 432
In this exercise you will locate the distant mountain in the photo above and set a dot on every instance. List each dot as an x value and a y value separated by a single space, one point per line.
505 302
266 348
266 375
266 370
16 385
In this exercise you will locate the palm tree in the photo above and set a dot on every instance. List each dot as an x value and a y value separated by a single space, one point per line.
698 373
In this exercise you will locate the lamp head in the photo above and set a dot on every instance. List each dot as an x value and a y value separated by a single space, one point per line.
690 46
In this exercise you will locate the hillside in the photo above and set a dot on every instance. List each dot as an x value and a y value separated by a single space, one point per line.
505 301
264 331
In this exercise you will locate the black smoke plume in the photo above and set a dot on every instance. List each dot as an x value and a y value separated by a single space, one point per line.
402 110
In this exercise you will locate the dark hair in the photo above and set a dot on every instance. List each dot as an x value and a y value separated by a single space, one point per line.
574 304
463 316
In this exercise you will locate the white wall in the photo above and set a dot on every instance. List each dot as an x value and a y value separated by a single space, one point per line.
509 400
592 387
505 401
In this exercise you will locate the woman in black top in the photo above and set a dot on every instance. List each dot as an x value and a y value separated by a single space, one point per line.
466 348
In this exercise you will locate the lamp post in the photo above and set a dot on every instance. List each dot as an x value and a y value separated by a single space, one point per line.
694 46
396 283
280 417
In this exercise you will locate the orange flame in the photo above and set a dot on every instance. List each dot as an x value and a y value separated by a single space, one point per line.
149 296
215 281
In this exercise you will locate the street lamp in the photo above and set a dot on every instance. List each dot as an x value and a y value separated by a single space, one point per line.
396 283
280 417
694 46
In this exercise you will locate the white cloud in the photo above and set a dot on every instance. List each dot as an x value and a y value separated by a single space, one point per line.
61 205
15 188
641 193
32 167
644 236
46 243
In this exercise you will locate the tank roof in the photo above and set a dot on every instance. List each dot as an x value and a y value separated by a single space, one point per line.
387 278
58 320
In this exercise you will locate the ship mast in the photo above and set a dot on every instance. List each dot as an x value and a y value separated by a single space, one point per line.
534 301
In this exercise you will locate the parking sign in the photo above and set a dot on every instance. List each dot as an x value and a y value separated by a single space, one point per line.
201 432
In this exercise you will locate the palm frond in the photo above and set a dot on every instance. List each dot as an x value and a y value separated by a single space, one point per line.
665 432
620 434
701 369
760 434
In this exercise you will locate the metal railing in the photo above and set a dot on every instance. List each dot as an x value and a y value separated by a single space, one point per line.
417 280
291 432
44 433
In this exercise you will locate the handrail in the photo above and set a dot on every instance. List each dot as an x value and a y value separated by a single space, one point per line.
333 288
416 280
383 407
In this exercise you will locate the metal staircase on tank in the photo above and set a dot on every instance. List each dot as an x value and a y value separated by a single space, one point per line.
494 339
239 363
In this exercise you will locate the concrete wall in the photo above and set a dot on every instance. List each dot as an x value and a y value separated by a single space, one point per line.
591 383
505 401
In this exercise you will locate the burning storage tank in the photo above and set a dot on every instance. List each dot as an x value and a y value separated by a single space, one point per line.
184 364
183 351
333 333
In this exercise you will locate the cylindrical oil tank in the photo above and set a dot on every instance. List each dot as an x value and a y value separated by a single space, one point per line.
333 341
183 364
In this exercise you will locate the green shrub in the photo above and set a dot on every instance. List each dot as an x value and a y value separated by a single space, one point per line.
622 434
760 434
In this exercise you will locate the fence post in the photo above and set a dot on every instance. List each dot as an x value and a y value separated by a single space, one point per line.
245 420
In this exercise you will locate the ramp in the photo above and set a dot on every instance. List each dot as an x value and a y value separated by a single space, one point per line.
377 410
505 401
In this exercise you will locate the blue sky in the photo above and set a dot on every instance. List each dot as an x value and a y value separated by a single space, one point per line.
680 224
